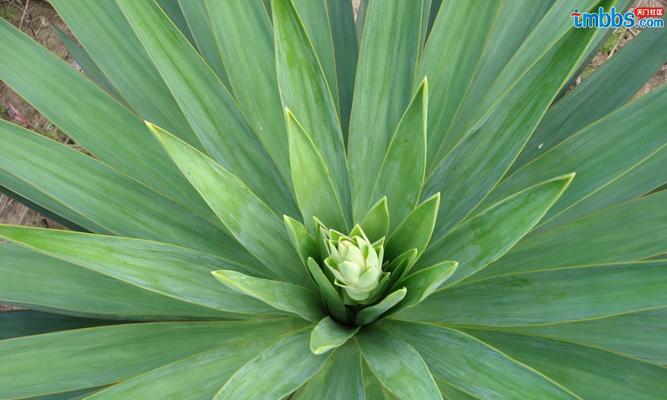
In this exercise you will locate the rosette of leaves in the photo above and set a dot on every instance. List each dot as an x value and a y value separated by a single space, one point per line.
324 208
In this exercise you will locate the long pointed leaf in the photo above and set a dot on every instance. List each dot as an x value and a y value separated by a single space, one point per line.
87 114
305 91
315 190
487 236
20 323
280 295
206 103
477 368
562 295
64 361
329 334
45 283
183 274
391 41
266 377
402 171
415 231
371 313
401 370
248 218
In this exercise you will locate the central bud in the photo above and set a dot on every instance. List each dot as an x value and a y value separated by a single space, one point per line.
355 263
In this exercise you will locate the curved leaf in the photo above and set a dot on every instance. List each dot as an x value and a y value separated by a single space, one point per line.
247 217
280 295
477 368
328 335
328 291
87 114
64 361
266 376
305 91
206 103
371 313
183 274
315 190
591 374
46 283
341 377
561 295
402 171
251 66
18 323
376 222
137 81
629 231
390 43
402 370
487 236
415 231
423 283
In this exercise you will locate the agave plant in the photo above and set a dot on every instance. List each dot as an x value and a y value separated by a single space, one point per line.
276 202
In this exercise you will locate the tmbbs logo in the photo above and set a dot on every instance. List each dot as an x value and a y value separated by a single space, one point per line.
640 17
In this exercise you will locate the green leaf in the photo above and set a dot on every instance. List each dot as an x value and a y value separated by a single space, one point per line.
402 171
247 217
86 63
137 81
475 367
415 231
303 242
590 373
276 372
629 231
197 16
206 103
329 334
423 283
636 335
401 266
449 62
513 23
376 222
314 15
390 43
481 158
46 283
371 313
561 295
193 378
19 323
172 9
340 379
608 88
304 90
599 152
30 196
487 236
280 295
328 291
65 361
315 190
341 19
183 273
87 114
645 177
452 393
397 365
251 66
109 199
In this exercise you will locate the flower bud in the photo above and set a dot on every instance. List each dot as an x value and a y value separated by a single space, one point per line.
355 263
